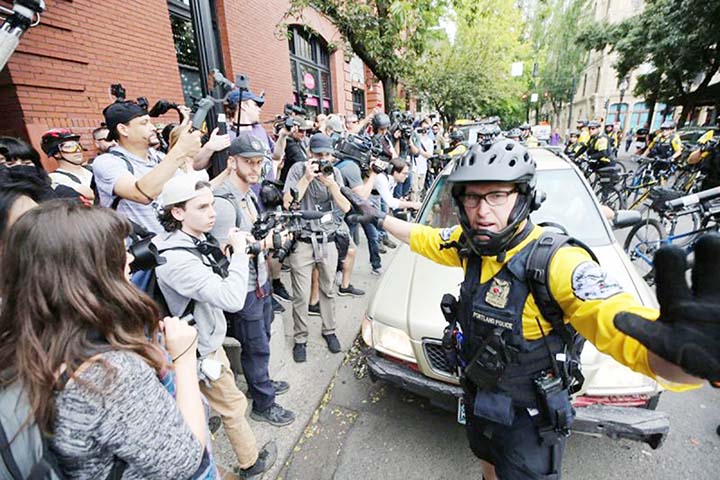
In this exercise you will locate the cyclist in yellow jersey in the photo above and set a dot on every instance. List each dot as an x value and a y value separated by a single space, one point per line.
667 144
456 147
518 414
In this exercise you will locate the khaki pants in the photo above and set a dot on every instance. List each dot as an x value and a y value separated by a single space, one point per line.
302 262
230 403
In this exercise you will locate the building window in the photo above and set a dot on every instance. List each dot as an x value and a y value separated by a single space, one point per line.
358 97
310 71
639 116
612 116
597 80
662 113
186 49
584 84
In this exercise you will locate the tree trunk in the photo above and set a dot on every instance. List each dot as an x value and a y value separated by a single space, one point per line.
687 110
389 92
651 113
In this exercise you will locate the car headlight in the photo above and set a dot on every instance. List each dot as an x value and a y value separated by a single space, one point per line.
392 341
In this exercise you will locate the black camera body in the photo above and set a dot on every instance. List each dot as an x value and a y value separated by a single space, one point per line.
359 149
325 167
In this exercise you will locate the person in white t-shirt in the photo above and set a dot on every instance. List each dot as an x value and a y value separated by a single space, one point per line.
385 182
64 146
426 146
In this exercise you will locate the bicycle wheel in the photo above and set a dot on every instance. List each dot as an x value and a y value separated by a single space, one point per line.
613 198
643 240
683 224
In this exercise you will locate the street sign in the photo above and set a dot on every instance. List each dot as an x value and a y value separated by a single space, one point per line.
533 98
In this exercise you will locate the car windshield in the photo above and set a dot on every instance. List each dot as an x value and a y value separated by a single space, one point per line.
568 204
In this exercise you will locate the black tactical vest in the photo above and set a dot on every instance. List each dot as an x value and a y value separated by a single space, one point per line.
663 148
496 307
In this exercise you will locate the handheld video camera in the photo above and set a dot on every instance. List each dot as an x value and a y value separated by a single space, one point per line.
289 117
362 151
402 121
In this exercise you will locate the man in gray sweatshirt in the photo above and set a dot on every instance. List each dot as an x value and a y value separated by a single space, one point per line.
198 278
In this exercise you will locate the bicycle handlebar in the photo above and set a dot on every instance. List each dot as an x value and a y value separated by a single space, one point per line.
694 199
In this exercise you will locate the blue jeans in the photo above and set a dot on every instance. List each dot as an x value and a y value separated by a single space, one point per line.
373 237
251 327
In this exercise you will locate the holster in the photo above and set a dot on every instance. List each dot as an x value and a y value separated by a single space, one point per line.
556 411
489 362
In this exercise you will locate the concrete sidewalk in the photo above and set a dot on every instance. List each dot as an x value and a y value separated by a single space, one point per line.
310 380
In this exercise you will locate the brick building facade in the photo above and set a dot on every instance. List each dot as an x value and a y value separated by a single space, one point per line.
61 73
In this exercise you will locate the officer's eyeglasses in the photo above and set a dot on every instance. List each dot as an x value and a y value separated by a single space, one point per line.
494 199
71 147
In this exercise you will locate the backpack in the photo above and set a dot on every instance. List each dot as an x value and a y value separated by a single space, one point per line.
537 271
93 184
29 455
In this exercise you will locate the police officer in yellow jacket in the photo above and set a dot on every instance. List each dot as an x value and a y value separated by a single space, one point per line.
572 144
583 138
456 147
667 144
600 149
614 137
508 424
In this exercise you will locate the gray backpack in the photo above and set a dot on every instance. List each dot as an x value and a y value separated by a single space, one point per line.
24 450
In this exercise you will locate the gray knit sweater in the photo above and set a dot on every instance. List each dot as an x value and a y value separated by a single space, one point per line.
132 417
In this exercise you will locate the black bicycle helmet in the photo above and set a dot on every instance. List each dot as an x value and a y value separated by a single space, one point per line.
505 161
381 120
514 134
582 123
457 136
593 124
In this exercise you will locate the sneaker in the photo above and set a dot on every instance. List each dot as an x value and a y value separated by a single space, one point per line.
332 342
275 415
277 308
214 423
300 352
388 243
381 248
266 459
350 291
377 271
314 310
280 292
280 386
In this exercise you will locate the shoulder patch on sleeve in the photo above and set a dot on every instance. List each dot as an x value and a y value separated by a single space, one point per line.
591 282
446 233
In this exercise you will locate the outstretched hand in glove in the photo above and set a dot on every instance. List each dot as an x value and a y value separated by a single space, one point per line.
687 333
367 212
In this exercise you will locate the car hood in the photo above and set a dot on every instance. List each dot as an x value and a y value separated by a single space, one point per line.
409 294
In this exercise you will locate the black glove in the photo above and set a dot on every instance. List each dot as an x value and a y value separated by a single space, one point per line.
687 333
368 213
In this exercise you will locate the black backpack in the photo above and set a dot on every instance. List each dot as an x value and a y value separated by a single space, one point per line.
537 271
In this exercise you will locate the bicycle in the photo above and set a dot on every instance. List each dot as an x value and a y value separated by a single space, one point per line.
652 172
644 239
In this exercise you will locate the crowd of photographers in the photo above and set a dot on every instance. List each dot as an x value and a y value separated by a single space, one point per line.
208 255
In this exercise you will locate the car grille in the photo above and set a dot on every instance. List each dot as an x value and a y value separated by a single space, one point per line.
436 358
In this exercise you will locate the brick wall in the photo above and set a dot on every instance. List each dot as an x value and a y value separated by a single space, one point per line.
61 73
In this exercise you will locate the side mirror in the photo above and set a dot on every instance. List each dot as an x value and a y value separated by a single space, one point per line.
626 218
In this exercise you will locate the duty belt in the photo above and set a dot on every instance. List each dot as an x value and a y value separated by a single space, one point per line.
317 237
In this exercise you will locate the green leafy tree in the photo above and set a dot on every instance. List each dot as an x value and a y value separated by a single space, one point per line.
561 58
679 42
388 35
470 77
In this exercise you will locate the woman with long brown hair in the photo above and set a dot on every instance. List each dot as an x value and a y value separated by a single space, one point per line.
84 343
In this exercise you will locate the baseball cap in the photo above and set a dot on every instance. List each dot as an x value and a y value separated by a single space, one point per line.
121 112
246 95
180 188
321 143
246 145
334 123
305 124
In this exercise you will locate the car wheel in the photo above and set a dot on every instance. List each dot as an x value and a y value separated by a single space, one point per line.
643 240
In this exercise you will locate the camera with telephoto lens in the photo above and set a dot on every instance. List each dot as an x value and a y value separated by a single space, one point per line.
402 121
290 117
